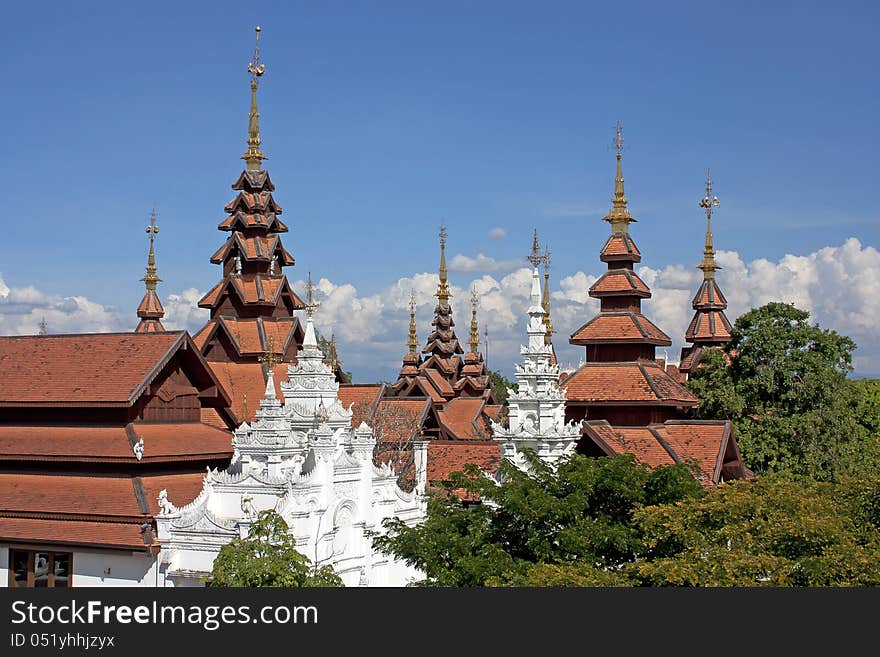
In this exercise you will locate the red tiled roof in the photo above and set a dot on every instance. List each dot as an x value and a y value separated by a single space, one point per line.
398 418
150 305
124 535
149 326
709 296
702 442
251 336
459 415
85 369
246 385
441 384
445 457
623 327
182 488
620 246
709 325
619 282
361 398
622 383
68 494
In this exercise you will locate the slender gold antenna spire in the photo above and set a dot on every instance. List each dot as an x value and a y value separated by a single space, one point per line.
413 342
253 156
269 358
152 278
535 256
474 339
311 304
333 356
443 293
545 301
708 202
619 217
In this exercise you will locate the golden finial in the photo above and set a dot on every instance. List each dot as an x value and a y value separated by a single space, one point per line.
413 342
152 278
269 358
545 301
619 217
333 356
44 328
253 156
474 339
311 304
443 293
708 202
535 256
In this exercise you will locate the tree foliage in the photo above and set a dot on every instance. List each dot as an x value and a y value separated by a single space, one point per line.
500 384
268 557
786 390
771 533
577 519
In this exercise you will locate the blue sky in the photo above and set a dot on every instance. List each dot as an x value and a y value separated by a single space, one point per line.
381 120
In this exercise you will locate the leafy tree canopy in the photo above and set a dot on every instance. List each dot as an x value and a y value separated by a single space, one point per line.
268 557
786 390
499 386
582 513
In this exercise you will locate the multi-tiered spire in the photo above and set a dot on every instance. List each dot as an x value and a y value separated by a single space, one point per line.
150 309
254 300
474 337
443 343
709 326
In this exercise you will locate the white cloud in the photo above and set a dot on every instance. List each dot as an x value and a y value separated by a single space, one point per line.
182 311
497 233
465 264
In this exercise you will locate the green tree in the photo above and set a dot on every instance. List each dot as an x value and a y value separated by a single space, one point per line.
786 390
579 514
499 386
770 532
268 557
866 397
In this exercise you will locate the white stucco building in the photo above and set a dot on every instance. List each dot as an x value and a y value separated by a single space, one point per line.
303 459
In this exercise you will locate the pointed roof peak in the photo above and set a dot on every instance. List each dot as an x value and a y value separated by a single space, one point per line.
254 156
474 338
443 292
619 217
413 341
545 300
708 203
150 309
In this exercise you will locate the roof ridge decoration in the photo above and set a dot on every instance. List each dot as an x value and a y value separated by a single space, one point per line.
619 217
443 340
474 339
708 202
254 156
545 299
150 309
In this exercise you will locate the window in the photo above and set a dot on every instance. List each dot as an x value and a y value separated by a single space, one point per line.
39 568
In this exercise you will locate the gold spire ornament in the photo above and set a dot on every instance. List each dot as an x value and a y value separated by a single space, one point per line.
311 304
332 356
413 342
619 217
474 339
708 202
269 357
535 256
443 292
152 278
545 301
253 156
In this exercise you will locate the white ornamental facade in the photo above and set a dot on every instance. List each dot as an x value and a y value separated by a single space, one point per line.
303 459
536 418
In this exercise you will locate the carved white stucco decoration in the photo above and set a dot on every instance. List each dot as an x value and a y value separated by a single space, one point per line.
304 460
536 417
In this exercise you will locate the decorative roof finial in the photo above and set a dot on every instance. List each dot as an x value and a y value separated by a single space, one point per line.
709 202
619 217
545 301
44 328
253 156
413 342
311 304
474 339
333 356
269 357
535 256
151 278
443 293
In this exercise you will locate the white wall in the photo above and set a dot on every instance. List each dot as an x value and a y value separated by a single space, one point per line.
90 567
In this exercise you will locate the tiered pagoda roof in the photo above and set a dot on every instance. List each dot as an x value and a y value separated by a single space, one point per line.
709 326
621 380
150 309
252 307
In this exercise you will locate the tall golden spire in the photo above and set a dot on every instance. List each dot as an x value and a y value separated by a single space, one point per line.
535 256
253 156
443 293
708 202
474 339
619 217
152 278
413 342
545 301
311 304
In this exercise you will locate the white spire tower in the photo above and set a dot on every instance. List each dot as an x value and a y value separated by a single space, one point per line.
536 417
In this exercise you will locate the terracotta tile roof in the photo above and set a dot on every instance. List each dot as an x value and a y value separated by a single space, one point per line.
621 383
360 398
212 296
709 296
73 442
125 535
85 369
445 457
243 220
251 336
212 418
459 416
703 442
708 325
68 494
254 247
622 327
620 246
182 488
150 305
149 326
441 384
250 180
619 282
397 419
246 385
261 202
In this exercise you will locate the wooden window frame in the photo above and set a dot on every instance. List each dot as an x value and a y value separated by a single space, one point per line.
31 563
